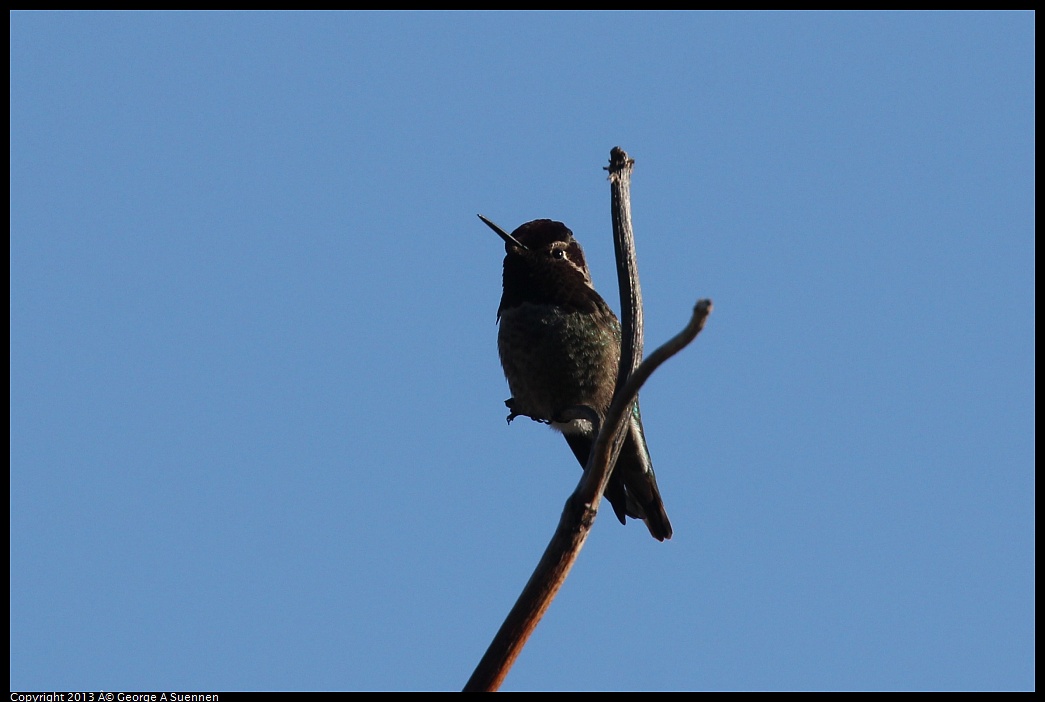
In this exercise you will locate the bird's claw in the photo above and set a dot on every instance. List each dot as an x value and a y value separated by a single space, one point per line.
513 413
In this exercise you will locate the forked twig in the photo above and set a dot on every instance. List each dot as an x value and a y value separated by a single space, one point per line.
582 506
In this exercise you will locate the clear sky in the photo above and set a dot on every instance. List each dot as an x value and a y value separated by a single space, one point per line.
258 438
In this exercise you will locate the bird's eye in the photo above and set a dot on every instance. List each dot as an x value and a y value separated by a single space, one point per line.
557 253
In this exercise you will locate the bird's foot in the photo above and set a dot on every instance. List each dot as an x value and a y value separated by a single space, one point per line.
514 412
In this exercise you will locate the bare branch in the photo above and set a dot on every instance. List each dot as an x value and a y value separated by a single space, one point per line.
580 510
590 492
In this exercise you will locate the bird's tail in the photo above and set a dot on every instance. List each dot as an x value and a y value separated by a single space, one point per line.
632 490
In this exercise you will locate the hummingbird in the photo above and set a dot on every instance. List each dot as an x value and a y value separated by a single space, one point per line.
559 344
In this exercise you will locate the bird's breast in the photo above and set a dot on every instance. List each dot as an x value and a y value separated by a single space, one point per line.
555 358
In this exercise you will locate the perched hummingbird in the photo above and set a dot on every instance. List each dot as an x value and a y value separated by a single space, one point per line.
559 344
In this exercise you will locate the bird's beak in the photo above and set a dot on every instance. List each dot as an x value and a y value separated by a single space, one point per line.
503 234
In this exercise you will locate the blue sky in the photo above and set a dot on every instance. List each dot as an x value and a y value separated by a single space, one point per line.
257 431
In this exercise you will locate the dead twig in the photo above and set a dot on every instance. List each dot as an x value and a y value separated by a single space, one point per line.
582 506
